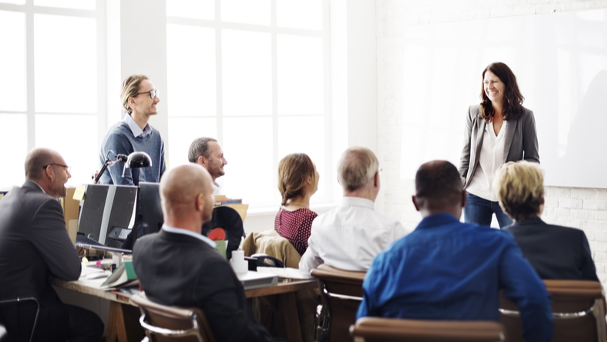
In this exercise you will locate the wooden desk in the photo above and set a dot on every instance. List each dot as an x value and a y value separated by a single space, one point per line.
123 324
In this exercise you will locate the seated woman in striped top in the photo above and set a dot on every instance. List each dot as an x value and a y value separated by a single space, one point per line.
297 182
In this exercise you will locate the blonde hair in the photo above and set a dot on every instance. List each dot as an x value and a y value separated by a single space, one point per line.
130 88
293 173
520 189
357 167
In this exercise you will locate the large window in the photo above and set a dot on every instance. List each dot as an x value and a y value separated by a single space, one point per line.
49 93
253 74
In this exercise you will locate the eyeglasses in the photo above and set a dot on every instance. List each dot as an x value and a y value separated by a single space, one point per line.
67 168
153 93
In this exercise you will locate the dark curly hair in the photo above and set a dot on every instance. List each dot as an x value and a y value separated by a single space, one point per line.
513 99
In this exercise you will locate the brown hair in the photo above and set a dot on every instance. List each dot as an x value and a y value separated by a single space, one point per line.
513 99
293 173
520 189
130 88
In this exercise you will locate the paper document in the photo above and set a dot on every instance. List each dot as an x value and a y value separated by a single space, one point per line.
288 272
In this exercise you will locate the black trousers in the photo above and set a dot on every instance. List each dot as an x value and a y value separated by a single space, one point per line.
56 322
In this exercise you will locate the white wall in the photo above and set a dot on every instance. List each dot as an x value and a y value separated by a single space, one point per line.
580 208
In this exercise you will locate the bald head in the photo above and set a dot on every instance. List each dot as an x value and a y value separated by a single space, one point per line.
36 160
438 188
187 196
48 169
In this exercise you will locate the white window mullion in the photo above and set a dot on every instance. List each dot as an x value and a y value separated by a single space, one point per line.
102 107
218 71
326 33
274 97
31 94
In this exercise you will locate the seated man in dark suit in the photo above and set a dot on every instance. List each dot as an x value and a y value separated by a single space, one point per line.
180 267
555 252
448 270
34 245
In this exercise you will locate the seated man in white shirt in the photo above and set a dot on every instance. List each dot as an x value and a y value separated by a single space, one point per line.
351 235
208 153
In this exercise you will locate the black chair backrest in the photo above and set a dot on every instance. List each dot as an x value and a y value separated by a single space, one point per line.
229 220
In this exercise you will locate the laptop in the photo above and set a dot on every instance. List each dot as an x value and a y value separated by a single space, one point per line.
253 280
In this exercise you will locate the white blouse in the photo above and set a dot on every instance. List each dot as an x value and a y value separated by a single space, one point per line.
491 159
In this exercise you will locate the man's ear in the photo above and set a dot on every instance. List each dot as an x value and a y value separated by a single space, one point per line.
414 202
201 160
50 173
199 202
376 179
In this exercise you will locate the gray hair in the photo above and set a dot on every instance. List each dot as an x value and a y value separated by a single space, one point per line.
357 167
199 147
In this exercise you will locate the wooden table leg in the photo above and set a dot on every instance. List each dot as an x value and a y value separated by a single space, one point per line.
288 309
123 323
116 331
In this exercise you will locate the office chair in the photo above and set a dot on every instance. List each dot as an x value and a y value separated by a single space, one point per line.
18 300
166 323
341 293
374 329
578 309
229 220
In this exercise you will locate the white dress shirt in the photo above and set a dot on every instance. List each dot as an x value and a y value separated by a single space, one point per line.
349 237
490 160
137 131
216 189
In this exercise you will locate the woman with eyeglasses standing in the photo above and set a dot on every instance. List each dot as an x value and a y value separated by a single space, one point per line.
498 130
139 98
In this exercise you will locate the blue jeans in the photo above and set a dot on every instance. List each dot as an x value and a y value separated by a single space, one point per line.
479 211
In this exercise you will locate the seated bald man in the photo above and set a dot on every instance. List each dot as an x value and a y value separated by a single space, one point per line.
180 267
449 270
35 246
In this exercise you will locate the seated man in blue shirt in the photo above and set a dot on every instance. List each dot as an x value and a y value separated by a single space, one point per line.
449 270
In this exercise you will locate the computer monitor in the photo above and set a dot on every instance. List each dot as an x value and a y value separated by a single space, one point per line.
107 215
149 208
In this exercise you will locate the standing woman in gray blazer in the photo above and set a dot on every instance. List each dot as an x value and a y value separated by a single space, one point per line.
498 130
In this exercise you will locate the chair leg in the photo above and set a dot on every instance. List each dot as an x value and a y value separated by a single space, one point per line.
598 310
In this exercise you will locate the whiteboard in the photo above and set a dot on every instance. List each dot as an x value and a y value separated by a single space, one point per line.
560 61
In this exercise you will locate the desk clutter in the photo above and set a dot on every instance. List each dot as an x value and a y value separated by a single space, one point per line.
113 217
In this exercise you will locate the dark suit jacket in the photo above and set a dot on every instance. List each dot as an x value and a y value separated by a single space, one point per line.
34 245
555 252
181 270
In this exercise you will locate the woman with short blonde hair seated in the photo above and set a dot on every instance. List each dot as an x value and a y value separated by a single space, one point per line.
555 252
297 182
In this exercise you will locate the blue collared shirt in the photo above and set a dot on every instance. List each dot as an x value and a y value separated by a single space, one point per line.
190 233
448 270
137 131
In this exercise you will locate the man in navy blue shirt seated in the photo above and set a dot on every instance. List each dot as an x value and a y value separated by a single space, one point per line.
449 270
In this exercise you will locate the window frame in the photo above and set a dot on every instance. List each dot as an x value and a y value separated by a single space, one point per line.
30 10
324 33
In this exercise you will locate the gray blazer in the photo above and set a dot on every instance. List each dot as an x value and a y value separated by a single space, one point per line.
521 141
